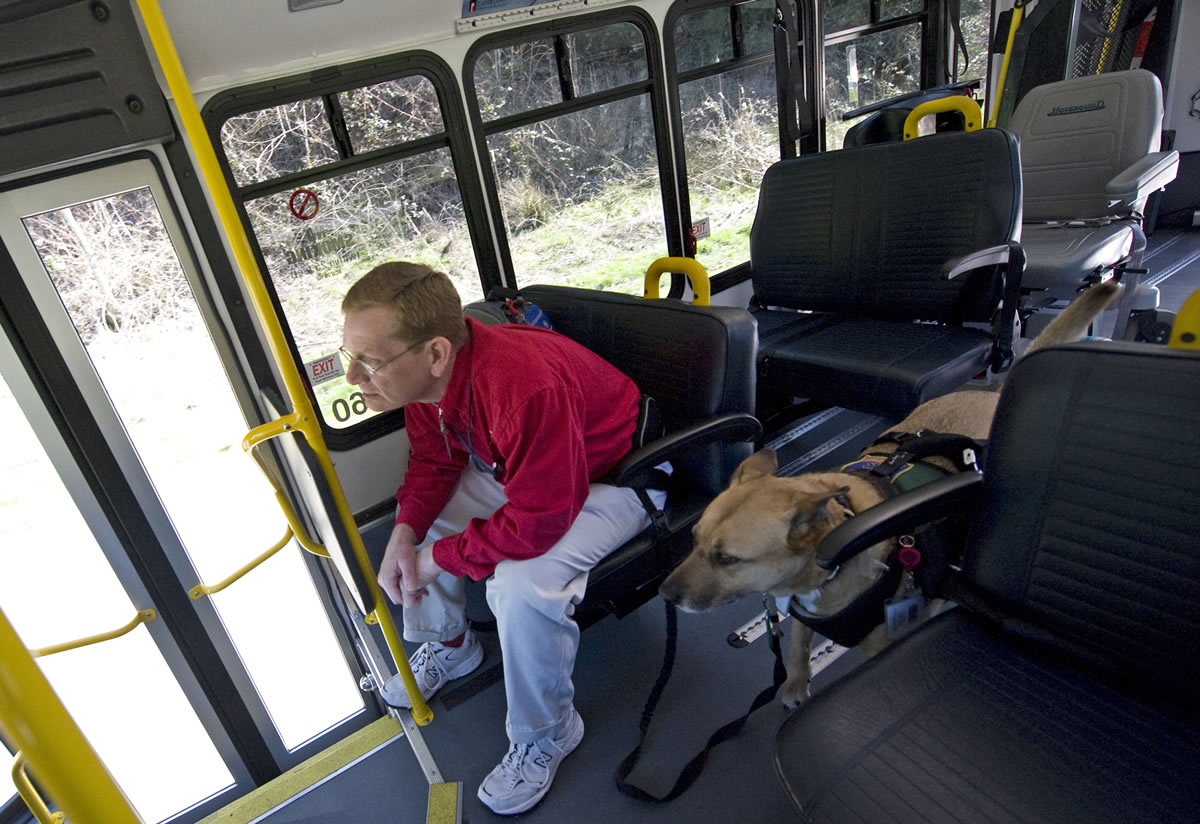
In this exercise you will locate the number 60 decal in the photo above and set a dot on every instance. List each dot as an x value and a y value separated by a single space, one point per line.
343 409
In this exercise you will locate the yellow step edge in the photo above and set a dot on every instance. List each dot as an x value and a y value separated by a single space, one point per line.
445 801
273 794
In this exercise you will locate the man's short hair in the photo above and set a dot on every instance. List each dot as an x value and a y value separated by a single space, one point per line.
423 301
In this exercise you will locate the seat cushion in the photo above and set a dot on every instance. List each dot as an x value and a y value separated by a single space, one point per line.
1061 256
878 366
958 723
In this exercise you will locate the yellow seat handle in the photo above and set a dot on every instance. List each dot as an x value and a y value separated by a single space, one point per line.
696 274
954 103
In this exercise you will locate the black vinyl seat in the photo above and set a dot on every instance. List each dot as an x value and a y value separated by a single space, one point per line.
869 263
697 362
1063 688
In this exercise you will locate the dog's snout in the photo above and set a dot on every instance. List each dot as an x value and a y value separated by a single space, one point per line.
669 592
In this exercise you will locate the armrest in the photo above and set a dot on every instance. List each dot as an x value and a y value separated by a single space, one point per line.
991 256
1144 176
943 497
635 468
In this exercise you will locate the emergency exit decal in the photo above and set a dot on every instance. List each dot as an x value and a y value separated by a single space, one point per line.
324 369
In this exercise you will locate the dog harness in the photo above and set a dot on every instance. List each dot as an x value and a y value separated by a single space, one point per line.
903 470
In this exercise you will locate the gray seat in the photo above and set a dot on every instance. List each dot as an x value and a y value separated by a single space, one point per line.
878 280
1064 687
1089 158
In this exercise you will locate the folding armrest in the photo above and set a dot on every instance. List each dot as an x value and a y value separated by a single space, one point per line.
634 470
945 496
1145 175
991 256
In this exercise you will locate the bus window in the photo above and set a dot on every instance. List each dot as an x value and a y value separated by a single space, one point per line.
570 121
724 64
976 23
872 52
335 183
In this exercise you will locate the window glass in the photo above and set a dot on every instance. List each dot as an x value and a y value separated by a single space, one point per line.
730 122
605 58
845 14
976 23
409 209
518 78
866 70
702 39
581 198
891 9
270 143
731 135
390 113
758 32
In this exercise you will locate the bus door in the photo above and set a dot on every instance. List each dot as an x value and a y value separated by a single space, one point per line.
125 486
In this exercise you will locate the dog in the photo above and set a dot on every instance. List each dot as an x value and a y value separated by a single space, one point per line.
761 534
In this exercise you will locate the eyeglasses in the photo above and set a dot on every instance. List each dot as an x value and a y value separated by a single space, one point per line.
371 369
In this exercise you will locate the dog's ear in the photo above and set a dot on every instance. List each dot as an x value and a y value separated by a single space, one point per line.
813 512
762 462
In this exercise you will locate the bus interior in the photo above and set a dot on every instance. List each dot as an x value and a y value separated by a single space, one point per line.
187 190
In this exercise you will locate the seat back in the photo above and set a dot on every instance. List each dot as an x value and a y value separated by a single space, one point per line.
1087 525
1078 134
866 231
696 361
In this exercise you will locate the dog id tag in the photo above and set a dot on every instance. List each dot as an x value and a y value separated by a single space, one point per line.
905 612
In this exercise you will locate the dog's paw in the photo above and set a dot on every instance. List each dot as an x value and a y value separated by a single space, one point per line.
794 692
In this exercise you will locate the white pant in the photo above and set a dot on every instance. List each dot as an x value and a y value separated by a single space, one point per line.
533 600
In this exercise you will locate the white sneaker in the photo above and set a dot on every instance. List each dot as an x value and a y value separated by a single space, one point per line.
434 664
524 775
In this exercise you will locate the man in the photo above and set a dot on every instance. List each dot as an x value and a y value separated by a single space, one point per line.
509 429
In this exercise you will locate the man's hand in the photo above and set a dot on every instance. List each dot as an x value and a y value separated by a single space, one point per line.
405 573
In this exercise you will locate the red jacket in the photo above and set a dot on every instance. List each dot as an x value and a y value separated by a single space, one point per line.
550 414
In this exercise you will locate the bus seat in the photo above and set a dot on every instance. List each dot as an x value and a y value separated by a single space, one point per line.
1090 158
698 364
868 264
1063 686
887 124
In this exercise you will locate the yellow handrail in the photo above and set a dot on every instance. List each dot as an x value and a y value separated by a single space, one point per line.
696 274
40 728
142 617
200 590
304 417
1018 12
972 115
29 794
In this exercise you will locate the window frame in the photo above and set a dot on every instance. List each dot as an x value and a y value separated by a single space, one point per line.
327 83
554 29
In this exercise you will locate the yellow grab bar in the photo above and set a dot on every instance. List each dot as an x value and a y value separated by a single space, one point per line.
40 728
696 274
1018 12
304 418
971 112
29 794
141 618
200 590
1185 334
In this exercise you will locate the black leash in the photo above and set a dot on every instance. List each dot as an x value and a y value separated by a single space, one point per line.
692 771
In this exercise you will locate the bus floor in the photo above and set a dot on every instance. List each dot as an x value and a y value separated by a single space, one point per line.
1173 258
618 662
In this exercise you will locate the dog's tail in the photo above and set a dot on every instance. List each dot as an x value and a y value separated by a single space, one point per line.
1072 323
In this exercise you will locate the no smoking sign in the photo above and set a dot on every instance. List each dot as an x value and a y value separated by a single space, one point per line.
304 204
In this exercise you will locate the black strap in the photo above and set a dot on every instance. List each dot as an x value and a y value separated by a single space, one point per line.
692 771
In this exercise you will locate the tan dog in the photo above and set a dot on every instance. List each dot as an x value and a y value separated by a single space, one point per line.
761 534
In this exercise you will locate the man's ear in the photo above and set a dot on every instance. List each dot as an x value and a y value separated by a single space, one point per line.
441 356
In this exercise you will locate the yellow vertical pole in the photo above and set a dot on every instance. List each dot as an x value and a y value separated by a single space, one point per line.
1018 13
305 417
35 720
